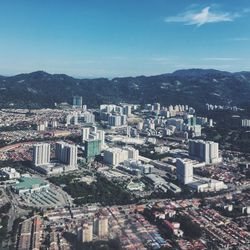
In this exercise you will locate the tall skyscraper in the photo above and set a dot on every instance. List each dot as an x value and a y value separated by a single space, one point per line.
71 155
101 136
66 153
119 110
89 117
94 129
75 119
127 110
184 171
59 151
132 153
85 133
92 148
207 151
103 226
77 102
87 232
100 226
41 154
124 119
114 156
114 120
68 119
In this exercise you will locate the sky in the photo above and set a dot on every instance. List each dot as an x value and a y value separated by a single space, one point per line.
110 38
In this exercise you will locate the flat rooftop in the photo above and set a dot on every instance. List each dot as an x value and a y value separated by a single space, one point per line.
29 183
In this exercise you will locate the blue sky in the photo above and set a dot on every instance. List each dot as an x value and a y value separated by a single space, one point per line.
93 38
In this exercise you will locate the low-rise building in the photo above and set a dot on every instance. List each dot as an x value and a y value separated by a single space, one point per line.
30 185
207 185
9 173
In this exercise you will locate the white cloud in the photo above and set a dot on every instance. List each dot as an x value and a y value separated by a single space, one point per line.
246 10
163 59
241 39
202 17
222 59
202 66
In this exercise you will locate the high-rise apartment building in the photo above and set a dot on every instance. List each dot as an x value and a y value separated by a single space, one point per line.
92 148
77 102
127 110
207 151
124 119
114 120
100 226
245 123
85 134
71 155
184 171
132 153
89 117
115 156
117 120
101 136
66 153
41 154
103 226
87 232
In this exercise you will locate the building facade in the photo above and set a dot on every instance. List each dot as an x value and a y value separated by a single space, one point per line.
184 171
207 151
41 154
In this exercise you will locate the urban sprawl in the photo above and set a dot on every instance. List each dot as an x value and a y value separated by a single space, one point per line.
123 176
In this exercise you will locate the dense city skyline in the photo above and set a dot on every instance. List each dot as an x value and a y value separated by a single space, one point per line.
123 38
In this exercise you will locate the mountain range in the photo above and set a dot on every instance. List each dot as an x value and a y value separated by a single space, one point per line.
194 87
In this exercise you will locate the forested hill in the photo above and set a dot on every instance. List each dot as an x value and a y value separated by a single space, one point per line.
193 86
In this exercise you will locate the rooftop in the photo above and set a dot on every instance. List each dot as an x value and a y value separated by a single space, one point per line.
29 183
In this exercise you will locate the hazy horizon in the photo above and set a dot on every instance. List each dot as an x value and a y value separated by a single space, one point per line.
119 76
